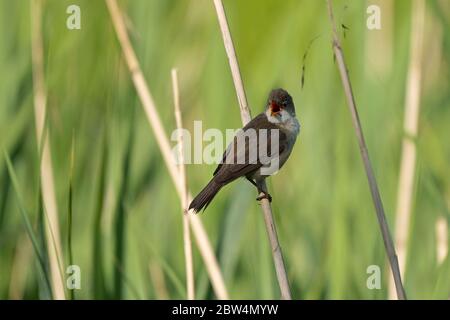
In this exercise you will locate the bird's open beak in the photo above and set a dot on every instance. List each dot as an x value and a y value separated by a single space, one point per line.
274 108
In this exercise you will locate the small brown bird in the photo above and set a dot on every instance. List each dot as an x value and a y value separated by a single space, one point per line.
250 155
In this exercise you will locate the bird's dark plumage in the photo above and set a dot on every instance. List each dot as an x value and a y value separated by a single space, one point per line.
237 159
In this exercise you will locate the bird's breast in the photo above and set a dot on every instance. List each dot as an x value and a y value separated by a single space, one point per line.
291 128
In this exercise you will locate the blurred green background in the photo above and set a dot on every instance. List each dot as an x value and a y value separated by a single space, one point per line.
122 195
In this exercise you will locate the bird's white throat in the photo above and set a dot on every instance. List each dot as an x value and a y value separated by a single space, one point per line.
285 121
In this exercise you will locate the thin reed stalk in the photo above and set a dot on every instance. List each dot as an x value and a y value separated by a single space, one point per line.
246 117
70 212
441 239
46 168
387 239
154 120
409 151
184 202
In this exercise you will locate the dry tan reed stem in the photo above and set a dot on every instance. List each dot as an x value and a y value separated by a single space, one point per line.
246 117
388 243
148 104
184 204
46 171
411 122
441 239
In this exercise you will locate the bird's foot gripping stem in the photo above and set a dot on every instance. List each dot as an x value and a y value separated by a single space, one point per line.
265 195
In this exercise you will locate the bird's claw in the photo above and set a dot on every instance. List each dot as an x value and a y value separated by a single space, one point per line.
265 195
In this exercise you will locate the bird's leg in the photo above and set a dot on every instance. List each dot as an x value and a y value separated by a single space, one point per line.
252 182
264 195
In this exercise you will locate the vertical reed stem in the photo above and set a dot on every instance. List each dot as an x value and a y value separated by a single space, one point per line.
246 117
184 204
46 169
411 122
441 239
387 239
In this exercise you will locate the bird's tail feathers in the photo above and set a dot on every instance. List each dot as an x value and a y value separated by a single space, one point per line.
204 198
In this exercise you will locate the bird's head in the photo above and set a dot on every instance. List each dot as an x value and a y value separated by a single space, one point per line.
280 106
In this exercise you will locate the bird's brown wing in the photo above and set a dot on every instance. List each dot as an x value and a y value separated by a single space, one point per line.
236 161
254 123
